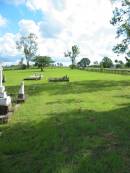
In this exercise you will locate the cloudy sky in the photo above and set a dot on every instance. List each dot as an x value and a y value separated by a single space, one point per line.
59 24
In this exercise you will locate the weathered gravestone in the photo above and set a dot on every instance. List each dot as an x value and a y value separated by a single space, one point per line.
21 94
5 101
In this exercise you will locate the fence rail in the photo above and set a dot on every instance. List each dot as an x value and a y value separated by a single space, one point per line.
108 70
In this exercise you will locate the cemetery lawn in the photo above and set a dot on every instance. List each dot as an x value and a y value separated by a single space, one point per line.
78 127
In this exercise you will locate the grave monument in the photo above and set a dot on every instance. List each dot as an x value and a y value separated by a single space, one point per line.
5 101
21 94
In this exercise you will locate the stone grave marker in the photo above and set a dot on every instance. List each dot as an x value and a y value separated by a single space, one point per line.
5 100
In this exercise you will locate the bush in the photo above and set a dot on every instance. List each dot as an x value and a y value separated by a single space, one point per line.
73 66
23 67
119 66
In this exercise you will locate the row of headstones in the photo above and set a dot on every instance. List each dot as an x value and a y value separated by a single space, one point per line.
5 100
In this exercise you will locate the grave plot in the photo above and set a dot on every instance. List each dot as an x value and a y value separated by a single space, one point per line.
5 100
6 108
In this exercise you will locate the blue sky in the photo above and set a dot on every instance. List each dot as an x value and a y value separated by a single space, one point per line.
58 24
14 13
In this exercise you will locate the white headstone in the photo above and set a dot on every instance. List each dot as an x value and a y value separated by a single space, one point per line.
4 99
21 90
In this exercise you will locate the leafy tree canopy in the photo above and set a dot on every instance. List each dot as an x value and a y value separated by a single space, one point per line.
120 19
42 61
84 62
106 62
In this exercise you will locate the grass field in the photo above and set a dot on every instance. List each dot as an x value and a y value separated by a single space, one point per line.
78 127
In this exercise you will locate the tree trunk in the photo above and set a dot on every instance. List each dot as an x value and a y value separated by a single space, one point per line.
28 65
27 60
41 68
73 64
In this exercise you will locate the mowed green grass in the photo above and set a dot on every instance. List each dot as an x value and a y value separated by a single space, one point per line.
78 127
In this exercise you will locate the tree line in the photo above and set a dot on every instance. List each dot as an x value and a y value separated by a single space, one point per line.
28 45
106 62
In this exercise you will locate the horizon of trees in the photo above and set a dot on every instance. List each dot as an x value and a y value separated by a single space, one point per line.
28 46
106 62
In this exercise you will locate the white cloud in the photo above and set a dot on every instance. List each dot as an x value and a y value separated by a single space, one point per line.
28 26
68 22
3 21
8 45
86 23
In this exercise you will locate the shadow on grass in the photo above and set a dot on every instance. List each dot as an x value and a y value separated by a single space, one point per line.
70 88
68 101
80 141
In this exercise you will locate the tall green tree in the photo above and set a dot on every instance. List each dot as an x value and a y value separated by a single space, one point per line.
84 62
106 62
119 64
121 19
28 45
73 54
42 61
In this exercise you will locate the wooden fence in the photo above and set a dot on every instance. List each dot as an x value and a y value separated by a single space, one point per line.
108 70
